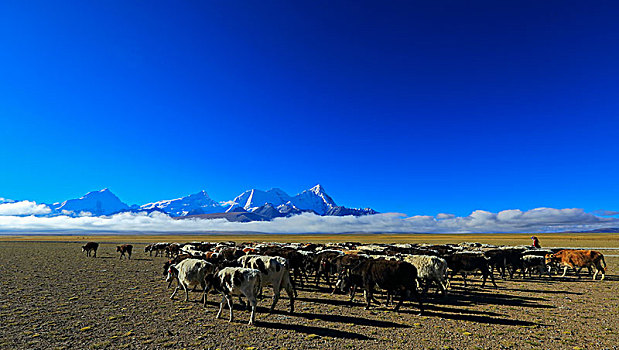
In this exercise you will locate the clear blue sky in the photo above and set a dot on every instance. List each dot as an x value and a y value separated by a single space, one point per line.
416 107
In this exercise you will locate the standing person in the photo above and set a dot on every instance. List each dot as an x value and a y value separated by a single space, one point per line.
535 242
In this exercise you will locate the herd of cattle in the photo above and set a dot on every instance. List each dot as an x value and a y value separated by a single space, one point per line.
403 270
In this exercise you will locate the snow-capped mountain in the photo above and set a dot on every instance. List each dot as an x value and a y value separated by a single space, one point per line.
263 205
102 202
315 199
194 204
256 198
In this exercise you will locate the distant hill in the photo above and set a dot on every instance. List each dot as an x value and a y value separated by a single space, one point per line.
230 216
599 230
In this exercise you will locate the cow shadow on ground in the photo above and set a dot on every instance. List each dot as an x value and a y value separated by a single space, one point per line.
463 316
335 302
540 291
360 321
141 259
476 297
323 332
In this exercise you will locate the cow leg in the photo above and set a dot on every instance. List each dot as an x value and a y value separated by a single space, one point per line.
397 307
204 296
186 288
418 297
175 290
443 285
221 306
275 297
464 279
290 291
229 300
368 297
353 290
492 280
596 273
564 271
426 286
252 302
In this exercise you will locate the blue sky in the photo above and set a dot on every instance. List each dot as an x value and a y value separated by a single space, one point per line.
414 107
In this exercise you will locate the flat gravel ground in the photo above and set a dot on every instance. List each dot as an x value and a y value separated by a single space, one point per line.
53 296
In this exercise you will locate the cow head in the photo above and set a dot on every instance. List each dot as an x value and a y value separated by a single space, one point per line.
210 280
343 280
550 258
172 273
166 267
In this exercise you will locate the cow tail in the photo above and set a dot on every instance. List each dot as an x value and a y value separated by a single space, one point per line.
258 285
604 262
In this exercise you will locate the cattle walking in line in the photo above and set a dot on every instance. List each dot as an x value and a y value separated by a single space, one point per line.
90 247
235 281
190 273
579 259
125 248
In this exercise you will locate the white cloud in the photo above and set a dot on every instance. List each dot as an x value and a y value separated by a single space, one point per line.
23 208
445 216
536 220
606 212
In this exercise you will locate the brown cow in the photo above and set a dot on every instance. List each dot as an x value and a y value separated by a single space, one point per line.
579 258
125 248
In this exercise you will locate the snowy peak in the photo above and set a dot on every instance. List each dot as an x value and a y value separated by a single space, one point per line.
102 202
193 204
264 204
316 199
255 198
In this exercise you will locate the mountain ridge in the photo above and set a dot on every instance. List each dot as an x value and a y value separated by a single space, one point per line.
266 205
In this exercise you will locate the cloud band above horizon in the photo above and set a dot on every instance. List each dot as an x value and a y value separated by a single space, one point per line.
22 217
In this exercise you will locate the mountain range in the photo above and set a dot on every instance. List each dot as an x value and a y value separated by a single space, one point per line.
251 205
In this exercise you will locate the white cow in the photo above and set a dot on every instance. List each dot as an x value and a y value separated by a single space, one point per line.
190 273
235 281
275 273
429 268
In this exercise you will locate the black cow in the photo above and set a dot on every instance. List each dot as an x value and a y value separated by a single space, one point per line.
321 263
466 262
125 248
392 276
90 247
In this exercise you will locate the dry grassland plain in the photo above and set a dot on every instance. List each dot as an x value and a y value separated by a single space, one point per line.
53 296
